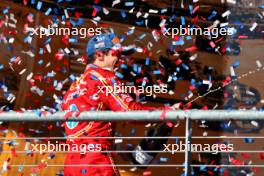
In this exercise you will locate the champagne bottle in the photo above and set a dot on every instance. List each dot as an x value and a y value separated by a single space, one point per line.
140 156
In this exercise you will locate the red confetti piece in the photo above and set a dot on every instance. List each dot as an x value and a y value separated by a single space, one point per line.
188 106
25 2
59 55
191 49
2 22
261 156
169 124
163 115
195 9
178 62
146 173
205 108
236 162
212 44
94 12
245 155
13 152
243 37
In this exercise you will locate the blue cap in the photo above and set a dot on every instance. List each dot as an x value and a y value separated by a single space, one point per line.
101 42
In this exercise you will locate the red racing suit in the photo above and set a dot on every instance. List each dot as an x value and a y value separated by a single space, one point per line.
93 91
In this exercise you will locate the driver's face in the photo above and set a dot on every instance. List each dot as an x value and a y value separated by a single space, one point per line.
111 57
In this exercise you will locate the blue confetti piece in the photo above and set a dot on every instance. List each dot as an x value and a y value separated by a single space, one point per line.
72 77
40 62
142 36
27 39
73 107
188 37
98 8
41 51
72 22
249 140
135 68
123 66
129 4
10 48
55 83
213 14
144 82
191 9
80 21
6 10
209 78
140 23
47 41
39 5
122 38
156 72
113 81
172 18
119 75
163 11
56 11
12 59
130 32
236 64
123 14
1 66
147 61
73 40
177 140
182 20
133 132
48 11
202 168
163 159
178 42
193 81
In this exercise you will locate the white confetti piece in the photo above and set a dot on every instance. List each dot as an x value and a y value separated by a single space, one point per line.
153 11
226 13
253 26
105 11
115 2
193 57
259 65
118 141
232 71
29 76
254 123
11 40
22 71
66 13
67 50
231 1
48 48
